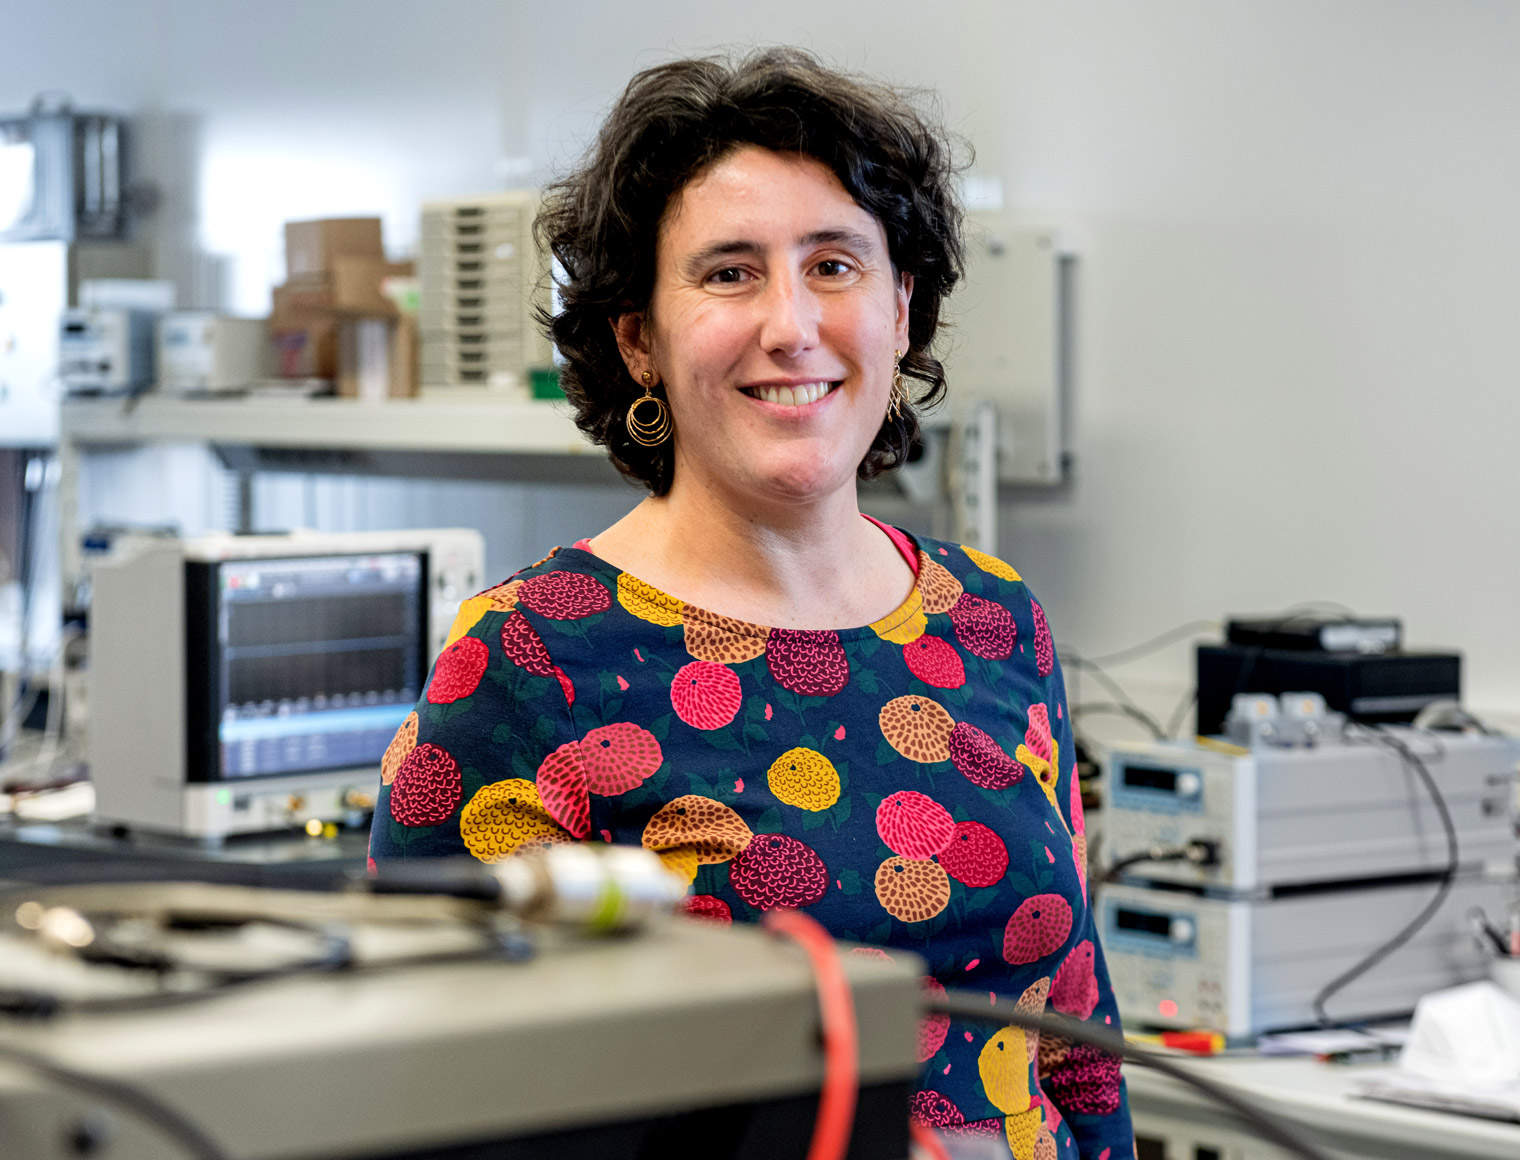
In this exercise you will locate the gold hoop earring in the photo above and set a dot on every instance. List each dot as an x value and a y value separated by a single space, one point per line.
653 432
898 399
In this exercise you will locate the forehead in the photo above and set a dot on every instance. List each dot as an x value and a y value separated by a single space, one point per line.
755 194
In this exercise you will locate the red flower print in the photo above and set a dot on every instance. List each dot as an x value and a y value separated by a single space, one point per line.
427 788
564 595
524 647
983 627
934 661
809 662
775 870
619 757
457 671
975 855
914 825
706 695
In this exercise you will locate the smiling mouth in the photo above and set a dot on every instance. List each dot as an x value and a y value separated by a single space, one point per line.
799 395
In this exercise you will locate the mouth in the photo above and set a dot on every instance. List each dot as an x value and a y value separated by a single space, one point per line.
793 395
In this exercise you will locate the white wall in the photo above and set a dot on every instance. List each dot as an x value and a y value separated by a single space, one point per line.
1300 250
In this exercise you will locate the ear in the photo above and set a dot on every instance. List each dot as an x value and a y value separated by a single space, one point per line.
633 343
904 296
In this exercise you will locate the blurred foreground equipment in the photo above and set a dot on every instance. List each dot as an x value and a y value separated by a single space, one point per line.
244 1023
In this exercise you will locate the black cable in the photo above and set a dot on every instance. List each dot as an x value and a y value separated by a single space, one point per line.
138 1103
974 1006
1110 709
1382 736
1179 714
1193 628
1114 689
1199 853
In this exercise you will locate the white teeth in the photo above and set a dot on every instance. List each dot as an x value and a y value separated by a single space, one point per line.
798 396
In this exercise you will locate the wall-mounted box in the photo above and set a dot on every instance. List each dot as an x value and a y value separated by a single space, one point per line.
1010 342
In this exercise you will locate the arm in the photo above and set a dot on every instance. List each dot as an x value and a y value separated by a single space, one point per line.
1083 1084
465 773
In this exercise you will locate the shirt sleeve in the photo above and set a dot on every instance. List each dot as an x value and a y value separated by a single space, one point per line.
1084 1084
491 738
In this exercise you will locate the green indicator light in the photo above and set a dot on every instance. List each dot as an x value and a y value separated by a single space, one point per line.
223 796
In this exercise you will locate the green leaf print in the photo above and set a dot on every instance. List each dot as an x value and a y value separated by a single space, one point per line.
660 727
849 881
769 822
1022 883
755 732
721 739
980 899
884 752
443 714
812 819
867 680
879 934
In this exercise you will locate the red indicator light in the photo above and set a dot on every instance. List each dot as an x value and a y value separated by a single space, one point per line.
1168 1008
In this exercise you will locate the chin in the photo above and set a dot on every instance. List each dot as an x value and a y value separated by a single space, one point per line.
801 480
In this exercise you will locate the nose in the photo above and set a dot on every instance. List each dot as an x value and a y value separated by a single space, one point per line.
789 318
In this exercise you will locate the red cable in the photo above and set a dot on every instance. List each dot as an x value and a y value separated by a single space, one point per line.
841 1047
926 1138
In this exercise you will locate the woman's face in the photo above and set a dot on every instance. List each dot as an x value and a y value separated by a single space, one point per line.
773 322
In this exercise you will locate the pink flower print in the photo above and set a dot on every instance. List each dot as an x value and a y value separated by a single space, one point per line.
1037 735
622 684
839 734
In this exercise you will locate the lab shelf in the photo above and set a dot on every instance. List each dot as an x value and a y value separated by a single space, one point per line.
501 428
418 438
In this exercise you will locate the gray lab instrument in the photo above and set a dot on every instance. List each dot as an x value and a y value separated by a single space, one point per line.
595 1047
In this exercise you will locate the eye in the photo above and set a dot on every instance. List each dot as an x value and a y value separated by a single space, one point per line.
832 267
727 274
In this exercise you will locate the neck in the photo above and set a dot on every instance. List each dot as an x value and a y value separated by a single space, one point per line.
814 564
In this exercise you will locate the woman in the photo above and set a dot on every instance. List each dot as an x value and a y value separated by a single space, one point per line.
794 705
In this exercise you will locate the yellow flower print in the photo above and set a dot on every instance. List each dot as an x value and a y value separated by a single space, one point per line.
647 602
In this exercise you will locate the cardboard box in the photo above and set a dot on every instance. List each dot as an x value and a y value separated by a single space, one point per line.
305 348
296 301
312 248
356 285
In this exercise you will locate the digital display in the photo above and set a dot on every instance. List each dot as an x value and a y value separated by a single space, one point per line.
1142 922
318 660
1151 777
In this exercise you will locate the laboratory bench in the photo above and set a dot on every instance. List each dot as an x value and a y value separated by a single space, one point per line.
76 851
1174 1122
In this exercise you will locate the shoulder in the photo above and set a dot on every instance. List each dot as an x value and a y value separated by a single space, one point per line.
976 570
979 591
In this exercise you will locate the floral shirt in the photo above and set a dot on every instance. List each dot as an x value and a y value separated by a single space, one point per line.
911 784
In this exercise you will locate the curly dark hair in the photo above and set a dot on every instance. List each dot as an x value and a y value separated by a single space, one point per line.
601 222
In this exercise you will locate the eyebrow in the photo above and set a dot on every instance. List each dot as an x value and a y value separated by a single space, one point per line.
849 239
